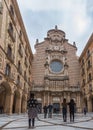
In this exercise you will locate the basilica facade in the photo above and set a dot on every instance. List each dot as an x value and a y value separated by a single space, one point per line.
56 71
53 73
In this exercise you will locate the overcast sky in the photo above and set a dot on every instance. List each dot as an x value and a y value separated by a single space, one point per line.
74 17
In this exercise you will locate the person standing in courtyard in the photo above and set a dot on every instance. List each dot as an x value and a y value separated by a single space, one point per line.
85 110
45 110
50 109
71 109
64 110
32 110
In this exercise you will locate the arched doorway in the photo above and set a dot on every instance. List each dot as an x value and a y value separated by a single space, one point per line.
85 103
56 104
91 103
16 104
5 98
56 107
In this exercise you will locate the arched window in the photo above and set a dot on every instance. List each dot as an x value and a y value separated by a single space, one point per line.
19 65
90 76
83 71
20 33
25 75
90 87
18 79
9 51
8 70
12 10
82 61
88 53
89 64
10 27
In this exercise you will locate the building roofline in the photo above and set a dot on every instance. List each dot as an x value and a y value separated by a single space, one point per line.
54 30
44 42
87 45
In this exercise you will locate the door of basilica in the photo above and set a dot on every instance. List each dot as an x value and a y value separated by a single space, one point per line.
56 107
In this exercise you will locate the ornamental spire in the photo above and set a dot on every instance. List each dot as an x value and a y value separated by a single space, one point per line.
56 27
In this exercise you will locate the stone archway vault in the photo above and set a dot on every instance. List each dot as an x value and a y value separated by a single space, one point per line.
16 108
6 97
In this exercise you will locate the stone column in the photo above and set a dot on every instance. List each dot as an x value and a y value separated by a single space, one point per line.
44 99
89 105
78 103
18 105
51 98
68 97
8 103
61 100
24 106
64 95
48 98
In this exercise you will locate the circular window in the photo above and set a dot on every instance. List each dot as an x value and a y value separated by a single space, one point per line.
56 66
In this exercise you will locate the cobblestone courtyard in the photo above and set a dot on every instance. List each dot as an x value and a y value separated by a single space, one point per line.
20 122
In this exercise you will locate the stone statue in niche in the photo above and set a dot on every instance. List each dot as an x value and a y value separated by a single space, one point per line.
48 59
61 48
56 48
47 65
65 71
46 71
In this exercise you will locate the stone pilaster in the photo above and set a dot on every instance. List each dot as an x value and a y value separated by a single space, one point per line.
8 103
18 105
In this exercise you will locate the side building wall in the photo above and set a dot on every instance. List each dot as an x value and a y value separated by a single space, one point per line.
15 59
86 67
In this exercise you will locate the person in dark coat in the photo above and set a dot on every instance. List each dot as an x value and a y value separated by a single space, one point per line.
45 110
64 110
50 109
85 110
71 109
32 110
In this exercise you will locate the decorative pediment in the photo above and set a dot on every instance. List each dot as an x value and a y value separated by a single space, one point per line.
57 48
56 35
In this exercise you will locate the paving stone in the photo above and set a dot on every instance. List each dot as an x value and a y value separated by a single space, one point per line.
20 122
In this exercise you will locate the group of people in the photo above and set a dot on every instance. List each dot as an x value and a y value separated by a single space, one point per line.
71 109
32 105
48 110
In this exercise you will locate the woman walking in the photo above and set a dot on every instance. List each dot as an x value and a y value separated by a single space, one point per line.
32 110
64 110
71 109
45 109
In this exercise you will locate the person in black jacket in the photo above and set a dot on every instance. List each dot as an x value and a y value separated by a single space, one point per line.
71 109
32 110
64 110
45 109
50 109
